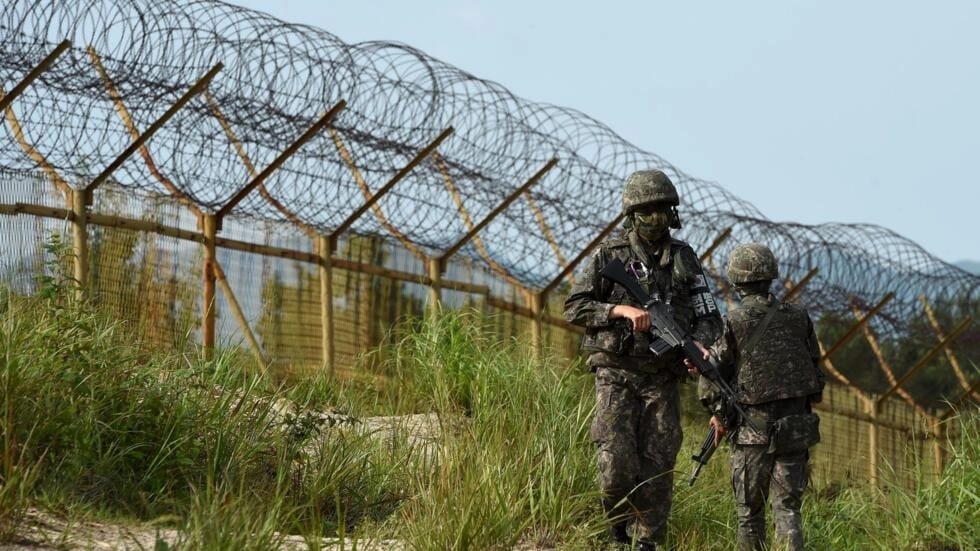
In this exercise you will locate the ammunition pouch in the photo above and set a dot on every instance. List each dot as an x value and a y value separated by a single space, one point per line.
794 433
615 338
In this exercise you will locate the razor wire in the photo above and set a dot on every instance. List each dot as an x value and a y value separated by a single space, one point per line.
278 78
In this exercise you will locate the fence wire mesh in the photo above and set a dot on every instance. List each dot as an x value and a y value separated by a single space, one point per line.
132 60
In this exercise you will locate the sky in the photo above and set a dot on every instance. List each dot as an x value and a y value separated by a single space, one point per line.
814 111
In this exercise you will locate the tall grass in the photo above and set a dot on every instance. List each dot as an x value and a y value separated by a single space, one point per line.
92 422
519 463
91 419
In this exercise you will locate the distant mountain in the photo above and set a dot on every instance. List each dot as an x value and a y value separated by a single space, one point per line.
972 266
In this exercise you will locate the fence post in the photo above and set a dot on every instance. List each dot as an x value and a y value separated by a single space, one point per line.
953 361
79 202
153 128
537 308
236 310
582 255
475 230
937 448
210 226
326 302
873 408
434 266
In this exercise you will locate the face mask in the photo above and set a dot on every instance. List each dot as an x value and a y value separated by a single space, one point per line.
651 226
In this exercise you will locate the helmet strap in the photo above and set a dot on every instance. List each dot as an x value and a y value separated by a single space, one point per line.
675 219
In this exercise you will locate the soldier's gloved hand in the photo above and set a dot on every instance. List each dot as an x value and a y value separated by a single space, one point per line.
639 317
720 429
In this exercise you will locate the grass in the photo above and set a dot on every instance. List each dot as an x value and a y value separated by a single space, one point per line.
94 423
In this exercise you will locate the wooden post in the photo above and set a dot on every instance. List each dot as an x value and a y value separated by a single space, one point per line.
963 326
278 161
35 155
250 167
326 303
435 286
545 228
236 310
157 124
481 248
953 361
792 289
937 449
873 409
405 170
496 211
886 367
79 209
8 98
6 105
582 255
130 124
374 198
537 308
210 223
857 326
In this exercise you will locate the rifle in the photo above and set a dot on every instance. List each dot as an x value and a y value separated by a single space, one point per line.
667 335
708 448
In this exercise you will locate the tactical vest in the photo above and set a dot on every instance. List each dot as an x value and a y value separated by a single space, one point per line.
780 365
672 284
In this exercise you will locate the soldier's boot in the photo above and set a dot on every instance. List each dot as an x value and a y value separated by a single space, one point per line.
618 533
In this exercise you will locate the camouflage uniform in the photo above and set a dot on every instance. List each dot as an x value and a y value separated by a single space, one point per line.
778 380
637 422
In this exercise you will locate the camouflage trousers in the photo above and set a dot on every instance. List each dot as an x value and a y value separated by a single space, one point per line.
757 476
638 433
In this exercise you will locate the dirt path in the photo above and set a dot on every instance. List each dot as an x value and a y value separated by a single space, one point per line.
42 531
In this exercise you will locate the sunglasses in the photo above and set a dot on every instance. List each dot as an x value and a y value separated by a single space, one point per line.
647 210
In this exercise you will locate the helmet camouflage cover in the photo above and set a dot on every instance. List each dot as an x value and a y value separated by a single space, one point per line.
648 186
752 262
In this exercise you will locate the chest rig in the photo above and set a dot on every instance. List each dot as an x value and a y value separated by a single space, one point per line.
657 272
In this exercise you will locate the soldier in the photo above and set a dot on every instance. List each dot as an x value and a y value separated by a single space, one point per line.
771 354
637 421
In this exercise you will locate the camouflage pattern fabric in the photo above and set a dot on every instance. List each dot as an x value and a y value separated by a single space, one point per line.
779 379
758 476
637 424
648 186
751 262
638 434
611 342
784 361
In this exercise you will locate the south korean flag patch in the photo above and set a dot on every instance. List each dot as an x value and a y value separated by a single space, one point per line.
701 298
700 283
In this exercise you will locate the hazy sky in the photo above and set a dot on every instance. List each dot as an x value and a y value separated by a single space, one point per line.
815 111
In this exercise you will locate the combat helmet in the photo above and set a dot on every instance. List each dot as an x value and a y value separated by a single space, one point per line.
648 186
751 262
